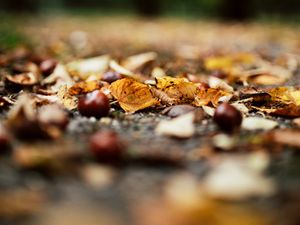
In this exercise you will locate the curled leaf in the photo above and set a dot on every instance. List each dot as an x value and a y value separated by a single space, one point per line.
136 62
85 87
211 95
89 67
60 76
26 79
217 83
120 69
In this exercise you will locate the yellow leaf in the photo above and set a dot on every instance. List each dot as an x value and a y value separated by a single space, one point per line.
286 95
227 62
177 88
132 95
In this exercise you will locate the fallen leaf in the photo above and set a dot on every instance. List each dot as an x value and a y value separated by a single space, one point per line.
179 89
67 100
60 76
89 67
217 83
286 95
178 110
132 95
226 63
258 123
181 127
289 110
26 79
158 72
84 87
235 179
120 69
210 95
136 62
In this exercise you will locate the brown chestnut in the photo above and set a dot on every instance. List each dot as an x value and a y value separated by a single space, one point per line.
178 110
48 66
227 117
111 76
106 146
94 104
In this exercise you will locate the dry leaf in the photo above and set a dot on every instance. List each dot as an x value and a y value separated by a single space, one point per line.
158 72
120 69
210 95
84 87
26 79
228 62
234 179
286 95
132 95
181 127
67 100
179 89
60 76
89 67
258 123
289 110
135 62
217 83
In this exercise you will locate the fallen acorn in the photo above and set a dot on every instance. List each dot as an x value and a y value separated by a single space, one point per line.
111 76
47 66
106 146
227 117
4 138
94 104
178 110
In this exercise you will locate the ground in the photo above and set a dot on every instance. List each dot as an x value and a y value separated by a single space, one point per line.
162 179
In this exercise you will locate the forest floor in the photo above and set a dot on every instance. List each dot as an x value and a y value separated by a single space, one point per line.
249 176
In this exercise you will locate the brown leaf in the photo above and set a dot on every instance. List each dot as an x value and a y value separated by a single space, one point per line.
290 110
132 95
179 89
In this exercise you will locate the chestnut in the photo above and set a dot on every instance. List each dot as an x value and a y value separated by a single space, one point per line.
106 146
111 76
227 117
178 110
94 104
48 66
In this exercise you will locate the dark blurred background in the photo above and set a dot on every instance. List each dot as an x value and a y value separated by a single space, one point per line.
223 9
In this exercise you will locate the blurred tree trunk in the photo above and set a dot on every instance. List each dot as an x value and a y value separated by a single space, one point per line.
237 10
21 6
148 7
